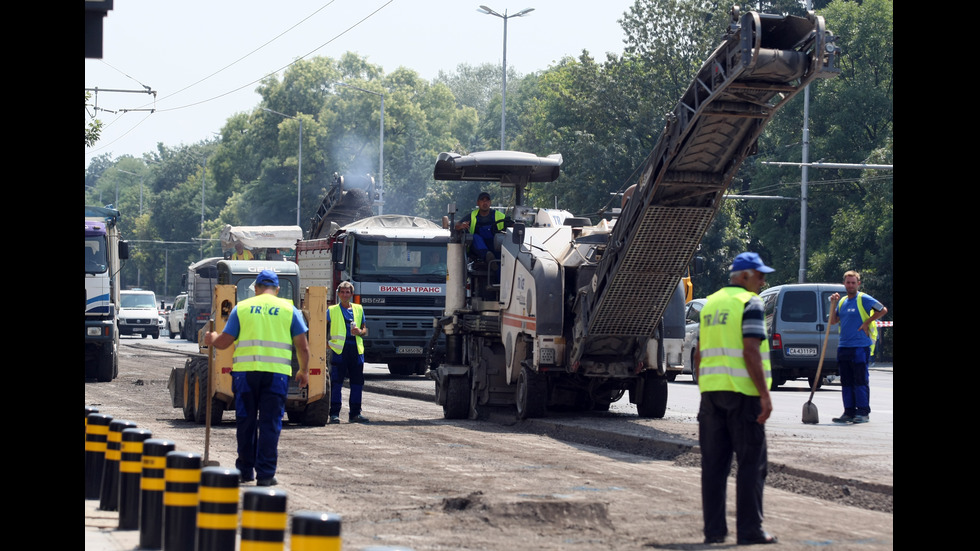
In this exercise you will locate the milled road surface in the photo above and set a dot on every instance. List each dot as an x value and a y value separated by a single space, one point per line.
414 479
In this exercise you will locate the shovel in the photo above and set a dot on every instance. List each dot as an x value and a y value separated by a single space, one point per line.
207 421
810 415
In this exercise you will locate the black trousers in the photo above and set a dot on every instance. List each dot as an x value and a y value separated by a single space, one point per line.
727 424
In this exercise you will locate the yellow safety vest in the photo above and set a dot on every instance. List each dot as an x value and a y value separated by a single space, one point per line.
498 218
722 364
264 340
246 255
864 317
338 327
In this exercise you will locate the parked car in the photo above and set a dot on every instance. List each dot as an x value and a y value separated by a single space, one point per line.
693 320
177 317
796 319
138 313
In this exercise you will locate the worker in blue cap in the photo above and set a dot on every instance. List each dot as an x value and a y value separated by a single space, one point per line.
734 376
264 328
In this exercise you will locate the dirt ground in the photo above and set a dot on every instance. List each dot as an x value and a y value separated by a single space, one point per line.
413 479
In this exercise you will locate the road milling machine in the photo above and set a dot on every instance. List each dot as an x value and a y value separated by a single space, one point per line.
572 315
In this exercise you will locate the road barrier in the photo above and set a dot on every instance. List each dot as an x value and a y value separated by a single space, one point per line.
183 477
130 472
152 486
312 531
89 410
178 506
217 511
96 435
109 495
263 520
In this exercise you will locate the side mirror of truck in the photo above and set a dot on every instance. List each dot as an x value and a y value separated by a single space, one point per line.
123 250
337 255
517 236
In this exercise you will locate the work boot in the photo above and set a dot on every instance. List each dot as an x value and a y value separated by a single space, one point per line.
334 419
489 257
845 418
266 481
860 419
359 419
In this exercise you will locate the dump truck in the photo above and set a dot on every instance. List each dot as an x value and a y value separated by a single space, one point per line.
104 251
573 315
397 264
203 385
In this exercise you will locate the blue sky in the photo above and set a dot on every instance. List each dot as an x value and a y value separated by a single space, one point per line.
205 59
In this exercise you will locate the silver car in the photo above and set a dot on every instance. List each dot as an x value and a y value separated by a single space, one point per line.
692 320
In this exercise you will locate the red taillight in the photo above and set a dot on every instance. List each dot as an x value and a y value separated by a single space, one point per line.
777 342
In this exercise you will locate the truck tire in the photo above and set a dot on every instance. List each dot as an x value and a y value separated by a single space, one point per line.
317 413
172 334
531 394
105 370
654 397
189 388
457 404
201 400
401 368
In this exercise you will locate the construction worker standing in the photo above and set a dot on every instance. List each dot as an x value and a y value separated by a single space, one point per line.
733 375
263 329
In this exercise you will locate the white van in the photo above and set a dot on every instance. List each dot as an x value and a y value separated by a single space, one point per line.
138 313
177 317
796 319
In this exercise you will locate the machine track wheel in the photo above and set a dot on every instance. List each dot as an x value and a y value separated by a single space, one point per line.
457 404
654 397
531 394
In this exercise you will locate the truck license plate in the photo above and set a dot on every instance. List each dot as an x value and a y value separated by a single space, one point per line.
801 351
409 350
137 330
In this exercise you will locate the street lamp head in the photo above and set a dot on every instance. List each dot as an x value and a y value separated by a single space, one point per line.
525 11
488 11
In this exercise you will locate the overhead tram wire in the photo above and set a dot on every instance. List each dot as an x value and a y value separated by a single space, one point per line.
345 31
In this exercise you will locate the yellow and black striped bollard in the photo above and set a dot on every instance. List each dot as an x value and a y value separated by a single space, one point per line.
96 436
88 411
152 486
217 510
183 476
312 531
263 520
109 496
130 472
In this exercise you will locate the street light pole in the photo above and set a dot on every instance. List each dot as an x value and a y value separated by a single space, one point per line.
299 172
381 147
503 94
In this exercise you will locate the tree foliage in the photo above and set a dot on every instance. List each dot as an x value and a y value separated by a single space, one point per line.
604 116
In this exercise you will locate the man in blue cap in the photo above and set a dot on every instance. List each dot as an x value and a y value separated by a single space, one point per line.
483 222
733 375
264 328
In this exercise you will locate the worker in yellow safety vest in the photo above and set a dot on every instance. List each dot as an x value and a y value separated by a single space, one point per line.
241 253
346 322
734 375
483 222
264 329
858 332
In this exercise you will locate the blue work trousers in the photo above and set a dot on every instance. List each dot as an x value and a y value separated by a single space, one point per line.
347 365
726 425
852 363
260 402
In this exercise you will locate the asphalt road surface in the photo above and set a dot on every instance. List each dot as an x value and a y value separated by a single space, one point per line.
604 480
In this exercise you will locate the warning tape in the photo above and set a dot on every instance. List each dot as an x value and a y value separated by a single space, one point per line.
884 323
